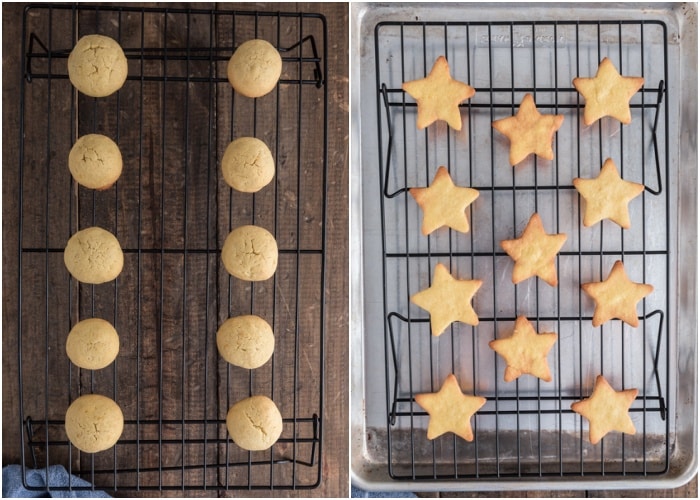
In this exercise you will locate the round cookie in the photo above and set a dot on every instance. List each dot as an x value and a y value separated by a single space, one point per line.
250 253
254 423
92 344
94 423
97 66
245 341
95 161
248 165
94 256
254 68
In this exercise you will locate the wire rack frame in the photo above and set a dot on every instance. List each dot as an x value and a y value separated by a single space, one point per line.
171 217
503 61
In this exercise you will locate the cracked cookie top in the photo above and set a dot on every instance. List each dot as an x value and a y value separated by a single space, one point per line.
246 341
93 255
247 165
97 66
95 161
94 423
254 68
250 253
92 344
254 423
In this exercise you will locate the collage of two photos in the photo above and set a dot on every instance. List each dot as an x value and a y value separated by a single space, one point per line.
349 249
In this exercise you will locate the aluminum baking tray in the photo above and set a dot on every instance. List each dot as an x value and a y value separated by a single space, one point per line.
526 434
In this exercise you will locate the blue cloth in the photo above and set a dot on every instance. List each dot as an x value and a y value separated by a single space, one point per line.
358 493
12 486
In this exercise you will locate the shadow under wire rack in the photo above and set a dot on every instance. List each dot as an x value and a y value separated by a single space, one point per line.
526 428
171 211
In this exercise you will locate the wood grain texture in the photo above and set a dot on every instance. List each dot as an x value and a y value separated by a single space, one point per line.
167 212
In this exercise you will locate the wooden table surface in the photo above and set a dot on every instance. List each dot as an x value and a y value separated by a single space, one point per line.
171 220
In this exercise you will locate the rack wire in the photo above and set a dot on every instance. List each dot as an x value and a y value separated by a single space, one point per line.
171 212
526 429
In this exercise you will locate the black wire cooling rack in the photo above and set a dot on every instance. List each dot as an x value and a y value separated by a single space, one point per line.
171 212
526 428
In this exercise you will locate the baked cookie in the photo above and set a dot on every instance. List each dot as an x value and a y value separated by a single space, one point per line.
525 351
450 410
254 68
529 131
608 93
245 341
438 96
448 299
97 66
94 423
534 252
607 196
444 204
616 297
95 161
94 256
254 423
92 344
606 410
248 165
250 253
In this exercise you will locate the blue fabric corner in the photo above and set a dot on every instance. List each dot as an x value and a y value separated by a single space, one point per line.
58 477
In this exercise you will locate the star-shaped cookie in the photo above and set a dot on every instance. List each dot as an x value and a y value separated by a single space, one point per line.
608 93
447 299
438 96
607 196
616 297
450 410
606 410
529 131
444 204
534 252
525 351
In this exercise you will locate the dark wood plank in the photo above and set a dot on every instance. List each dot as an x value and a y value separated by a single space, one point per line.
336 426
11 56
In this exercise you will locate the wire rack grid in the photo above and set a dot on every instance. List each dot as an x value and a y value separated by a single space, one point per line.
171 212
526 429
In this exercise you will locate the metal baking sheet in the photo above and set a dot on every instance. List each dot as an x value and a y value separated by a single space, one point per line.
526 433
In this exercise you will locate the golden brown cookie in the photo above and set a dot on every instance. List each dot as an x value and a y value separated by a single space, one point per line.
250 253
254 68
438 96
450 410
254 423
97 66
529 131
616 297
95 161
93 255
608 93
248 165
94 423
534 252
525 351
606 410
444 204
448 299
246 341
607 196
92 344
